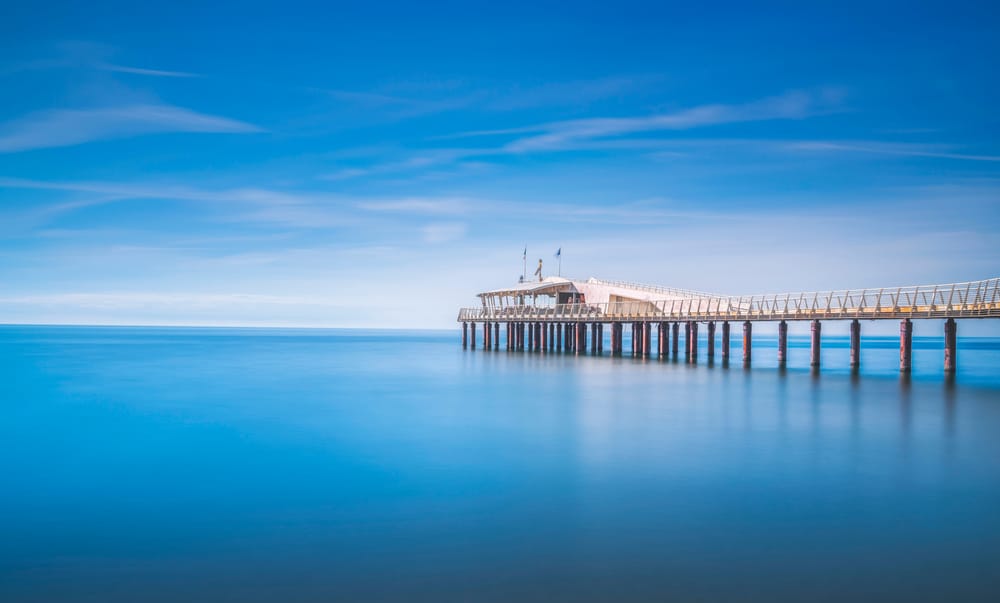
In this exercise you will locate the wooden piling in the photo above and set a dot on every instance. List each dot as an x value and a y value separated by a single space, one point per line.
675 336
725 341
855 344
694 342
711 341
815 330
600 337
472 338
747 342
465 335
950 345
905 346
496 336
782 343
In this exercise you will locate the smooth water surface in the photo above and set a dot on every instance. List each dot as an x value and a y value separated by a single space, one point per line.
146 464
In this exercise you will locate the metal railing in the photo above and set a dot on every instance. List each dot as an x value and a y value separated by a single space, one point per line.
975 299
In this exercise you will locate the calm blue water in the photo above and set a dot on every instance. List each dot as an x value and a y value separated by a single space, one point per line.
146 464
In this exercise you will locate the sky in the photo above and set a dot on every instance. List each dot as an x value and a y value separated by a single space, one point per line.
377 164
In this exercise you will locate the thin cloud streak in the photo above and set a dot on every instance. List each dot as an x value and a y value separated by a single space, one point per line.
144 71
70 127
567 135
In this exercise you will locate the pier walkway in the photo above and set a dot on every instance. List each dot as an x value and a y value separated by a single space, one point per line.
557 313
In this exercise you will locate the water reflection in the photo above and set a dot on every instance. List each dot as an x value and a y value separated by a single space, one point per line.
179 465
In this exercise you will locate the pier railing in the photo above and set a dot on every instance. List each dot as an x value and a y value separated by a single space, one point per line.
975 299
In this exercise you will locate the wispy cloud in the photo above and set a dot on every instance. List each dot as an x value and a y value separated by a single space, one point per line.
444 232
568 134
399 107
885 148
85 56
144 71
68 127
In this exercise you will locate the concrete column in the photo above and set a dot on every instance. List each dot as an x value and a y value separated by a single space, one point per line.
569 337
747 341
782 343
815 343
647 338
559 336
552 335
581 338
487 331
855 344
496 336
687 341
600 337
676 328
905 346
725 341
465 335
472 338
593 337
711 340
950 345
694 342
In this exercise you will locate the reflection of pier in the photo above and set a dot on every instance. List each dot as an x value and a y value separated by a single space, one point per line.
558 314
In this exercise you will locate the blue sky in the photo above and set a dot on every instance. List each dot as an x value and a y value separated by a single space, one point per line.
377 164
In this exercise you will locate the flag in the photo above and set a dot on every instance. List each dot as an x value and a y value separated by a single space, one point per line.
525 254
559 252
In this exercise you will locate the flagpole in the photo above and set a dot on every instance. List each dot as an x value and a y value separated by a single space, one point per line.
524 267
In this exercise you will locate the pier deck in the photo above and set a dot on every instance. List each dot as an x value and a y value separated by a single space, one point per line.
553 312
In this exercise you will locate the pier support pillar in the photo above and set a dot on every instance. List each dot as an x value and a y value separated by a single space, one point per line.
711 341
487 331
619 337
694 342
855 344
725 341
687 342
581 338
647 339
747 342
815 329
496 336
559 336
950 345
519 336
600 337
676 328
465 335
472 338
905 346
782 343
552 335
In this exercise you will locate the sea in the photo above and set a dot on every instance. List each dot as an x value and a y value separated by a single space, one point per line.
202 464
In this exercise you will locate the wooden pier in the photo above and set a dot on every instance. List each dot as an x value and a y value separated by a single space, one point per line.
557 314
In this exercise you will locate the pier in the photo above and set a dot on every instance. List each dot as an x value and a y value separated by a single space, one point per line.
558 314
